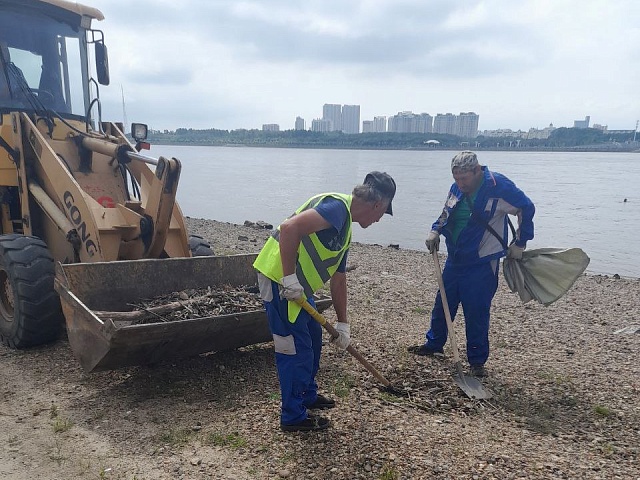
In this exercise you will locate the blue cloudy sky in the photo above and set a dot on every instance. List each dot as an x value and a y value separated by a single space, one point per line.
238 64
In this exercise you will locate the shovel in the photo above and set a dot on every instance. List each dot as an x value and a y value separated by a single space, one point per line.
471 386
334 333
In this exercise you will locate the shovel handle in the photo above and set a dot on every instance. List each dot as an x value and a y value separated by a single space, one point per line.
334 333
445 307
469 385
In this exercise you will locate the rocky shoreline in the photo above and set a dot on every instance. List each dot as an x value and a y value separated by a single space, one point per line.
566 394
566 386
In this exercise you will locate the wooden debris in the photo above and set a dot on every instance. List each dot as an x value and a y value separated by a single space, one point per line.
191 303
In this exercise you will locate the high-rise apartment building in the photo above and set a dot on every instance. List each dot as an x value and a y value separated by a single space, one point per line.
351 119
445 123
367 126
379 124
270 127
401 122
409 122
321 125
333 113
467 125
299 123
424 123
582 123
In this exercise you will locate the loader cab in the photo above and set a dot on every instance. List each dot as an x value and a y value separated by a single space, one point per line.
44 57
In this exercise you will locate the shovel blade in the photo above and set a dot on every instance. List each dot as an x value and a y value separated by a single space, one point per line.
472 387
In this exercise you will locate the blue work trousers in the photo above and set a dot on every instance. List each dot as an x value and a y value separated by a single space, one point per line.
297 350
474 286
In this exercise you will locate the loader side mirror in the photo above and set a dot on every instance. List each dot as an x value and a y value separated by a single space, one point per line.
102 63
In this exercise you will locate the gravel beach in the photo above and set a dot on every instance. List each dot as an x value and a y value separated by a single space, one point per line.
566 394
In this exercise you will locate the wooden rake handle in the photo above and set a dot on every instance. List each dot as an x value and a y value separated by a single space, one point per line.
334 333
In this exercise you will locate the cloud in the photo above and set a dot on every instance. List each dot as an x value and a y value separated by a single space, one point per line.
164 75
398 34
244 63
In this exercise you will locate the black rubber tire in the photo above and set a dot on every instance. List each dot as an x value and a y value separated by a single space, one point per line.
199 247
30 312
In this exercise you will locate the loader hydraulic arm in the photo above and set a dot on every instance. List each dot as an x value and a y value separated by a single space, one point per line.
162 198
160 190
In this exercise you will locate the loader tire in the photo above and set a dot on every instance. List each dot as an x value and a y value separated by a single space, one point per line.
30 312
199 247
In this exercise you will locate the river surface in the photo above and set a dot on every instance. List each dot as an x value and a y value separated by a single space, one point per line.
579 197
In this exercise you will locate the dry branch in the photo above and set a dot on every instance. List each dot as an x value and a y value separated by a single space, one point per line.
207 302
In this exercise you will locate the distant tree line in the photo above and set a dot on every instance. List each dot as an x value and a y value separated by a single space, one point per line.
561 139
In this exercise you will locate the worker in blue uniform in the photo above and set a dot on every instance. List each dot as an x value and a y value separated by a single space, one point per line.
474 221
307 250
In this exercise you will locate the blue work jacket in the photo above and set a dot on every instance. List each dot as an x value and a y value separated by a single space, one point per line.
497 197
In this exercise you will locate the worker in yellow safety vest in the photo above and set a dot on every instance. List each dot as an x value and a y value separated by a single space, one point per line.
307 250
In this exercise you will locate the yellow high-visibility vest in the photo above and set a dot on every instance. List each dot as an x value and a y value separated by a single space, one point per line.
315 263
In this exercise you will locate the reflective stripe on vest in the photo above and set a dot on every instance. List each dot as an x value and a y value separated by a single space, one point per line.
315 263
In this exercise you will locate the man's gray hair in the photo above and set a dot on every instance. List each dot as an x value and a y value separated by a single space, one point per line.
465 161
368 193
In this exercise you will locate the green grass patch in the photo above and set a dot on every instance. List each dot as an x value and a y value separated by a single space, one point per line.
233 440
176 437
602 411
389 473
273 396
389 397
558 379
287 457
607 449
342 385
61 425
545 375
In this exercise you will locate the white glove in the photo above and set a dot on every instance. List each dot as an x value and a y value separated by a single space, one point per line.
433 241
515 252
290 287
342 341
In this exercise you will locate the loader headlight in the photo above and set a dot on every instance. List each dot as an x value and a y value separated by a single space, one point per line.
139 131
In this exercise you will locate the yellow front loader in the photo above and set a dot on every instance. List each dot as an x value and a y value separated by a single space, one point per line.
87 222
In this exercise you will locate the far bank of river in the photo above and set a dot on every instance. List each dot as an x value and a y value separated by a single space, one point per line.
629 148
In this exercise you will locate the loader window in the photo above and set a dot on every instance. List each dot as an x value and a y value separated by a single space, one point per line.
29 64
44 64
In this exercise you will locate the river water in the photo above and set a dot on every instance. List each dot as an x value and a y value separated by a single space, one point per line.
579 197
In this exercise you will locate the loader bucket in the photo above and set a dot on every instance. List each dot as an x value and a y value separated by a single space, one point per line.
102 344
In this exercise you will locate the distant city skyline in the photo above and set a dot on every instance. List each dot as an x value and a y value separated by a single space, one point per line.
465 125
462 125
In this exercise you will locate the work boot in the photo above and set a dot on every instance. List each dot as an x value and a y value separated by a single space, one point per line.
424 351
322 403
312 423
478 370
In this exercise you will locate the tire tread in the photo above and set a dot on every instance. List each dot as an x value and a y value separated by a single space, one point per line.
37 311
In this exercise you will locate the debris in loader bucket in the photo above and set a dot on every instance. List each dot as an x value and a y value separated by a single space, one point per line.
190 303
101 343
